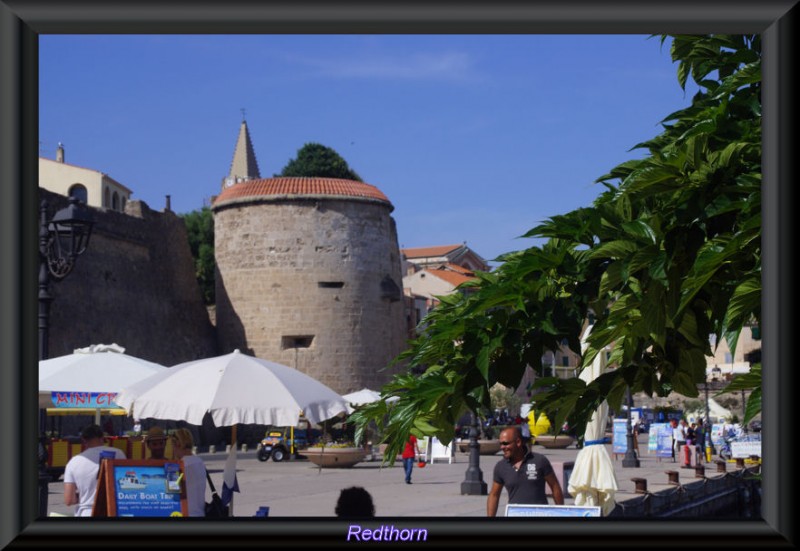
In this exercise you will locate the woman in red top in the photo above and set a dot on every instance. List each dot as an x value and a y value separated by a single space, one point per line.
409 452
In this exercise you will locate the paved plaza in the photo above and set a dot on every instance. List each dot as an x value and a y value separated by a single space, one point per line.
298 488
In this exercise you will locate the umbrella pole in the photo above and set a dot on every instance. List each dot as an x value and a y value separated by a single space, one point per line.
233 443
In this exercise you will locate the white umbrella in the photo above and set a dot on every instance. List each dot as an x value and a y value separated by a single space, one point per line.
360 397
593 482
365 396
91 377
234 388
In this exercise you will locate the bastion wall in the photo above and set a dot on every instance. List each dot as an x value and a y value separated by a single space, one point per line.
135 286
314 284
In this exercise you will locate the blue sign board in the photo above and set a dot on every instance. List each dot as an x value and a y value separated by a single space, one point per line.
520 510
620 434
664 445
89 400
147 491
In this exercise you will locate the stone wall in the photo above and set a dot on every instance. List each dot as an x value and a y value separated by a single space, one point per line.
309 284
134 286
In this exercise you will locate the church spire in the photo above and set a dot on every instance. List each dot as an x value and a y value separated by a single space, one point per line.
244 165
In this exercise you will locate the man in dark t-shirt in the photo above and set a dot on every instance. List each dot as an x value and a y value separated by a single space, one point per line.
522 473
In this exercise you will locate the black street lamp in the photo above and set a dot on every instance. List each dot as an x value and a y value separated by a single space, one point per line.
473 482
630 459
61 241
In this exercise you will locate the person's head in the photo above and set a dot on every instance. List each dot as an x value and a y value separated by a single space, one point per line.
182 442
355 502
673 422
92 436
156 441
700 422
511 443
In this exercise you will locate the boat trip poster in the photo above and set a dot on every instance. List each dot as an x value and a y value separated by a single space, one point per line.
146 491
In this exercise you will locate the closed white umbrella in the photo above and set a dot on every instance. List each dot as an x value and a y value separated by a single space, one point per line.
593 482
233 388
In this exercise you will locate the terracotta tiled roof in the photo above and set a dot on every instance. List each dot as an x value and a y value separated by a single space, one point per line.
450 277
424 252
300 187
456 268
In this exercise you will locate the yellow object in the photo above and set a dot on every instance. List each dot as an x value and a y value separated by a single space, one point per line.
541 426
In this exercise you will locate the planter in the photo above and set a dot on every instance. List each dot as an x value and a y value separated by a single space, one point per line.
554 442
341 458
487 447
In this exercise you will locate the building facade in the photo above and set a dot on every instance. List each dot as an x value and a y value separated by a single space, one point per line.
91 187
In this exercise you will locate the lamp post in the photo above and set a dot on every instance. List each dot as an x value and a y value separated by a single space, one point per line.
61 240
473 482
630 459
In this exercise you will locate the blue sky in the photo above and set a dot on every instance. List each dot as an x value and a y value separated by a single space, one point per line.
473 138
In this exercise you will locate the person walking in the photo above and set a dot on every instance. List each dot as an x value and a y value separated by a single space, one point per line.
410 452
522 473
80 474
194 471
700 442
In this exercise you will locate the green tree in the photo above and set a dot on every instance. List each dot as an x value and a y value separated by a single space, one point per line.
200 231
314 159
667 255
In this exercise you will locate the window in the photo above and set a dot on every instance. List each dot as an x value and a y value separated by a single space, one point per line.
106 198
79 192
728 358
565 361
330 284
296 341
115 201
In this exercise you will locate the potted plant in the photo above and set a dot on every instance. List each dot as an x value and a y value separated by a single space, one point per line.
554 440
335 455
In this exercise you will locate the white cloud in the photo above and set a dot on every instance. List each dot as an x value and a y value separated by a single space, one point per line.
437 66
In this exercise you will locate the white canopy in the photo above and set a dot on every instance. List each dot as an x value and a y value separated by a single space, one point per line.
234 388
98 368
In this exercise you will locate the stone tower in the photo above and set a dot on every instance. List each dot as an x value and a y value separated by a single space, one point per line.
308 275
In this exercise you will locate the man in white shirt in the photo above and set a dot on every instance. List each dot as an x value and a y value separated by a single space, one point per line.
678 438
80 474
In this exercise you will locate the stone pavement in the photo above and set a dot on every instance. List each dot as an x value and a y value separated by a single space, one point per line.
298 488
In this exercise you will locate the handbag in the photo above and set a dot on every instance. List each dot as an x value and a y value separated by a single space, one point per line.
215 509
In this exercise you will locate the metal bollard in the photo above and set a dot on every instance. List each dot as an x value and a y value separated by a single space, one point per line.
740 462
673 477
721 466
700 471
212 448
641 485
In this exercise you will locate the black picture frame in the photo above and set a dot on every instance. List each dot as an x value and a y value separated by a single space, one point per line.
21 21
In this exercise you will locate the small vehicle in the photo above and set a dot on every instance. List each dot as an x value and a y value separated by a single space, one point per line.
273 446
282 443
